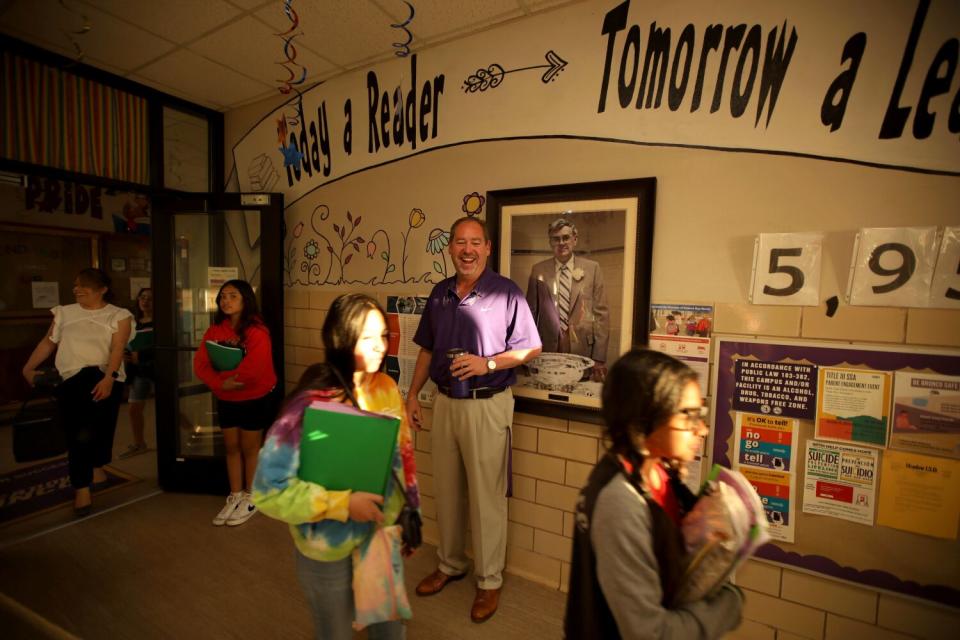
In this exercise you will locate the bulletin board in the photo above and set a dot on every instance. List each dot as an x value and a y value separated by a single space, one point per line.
874 556
28 254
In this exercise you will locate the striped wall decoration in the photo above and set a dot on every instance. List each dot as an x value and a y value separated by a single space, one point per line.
57 119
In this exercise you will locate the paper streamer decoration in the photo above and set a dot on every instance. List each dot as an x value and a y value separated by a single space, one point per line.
79 32
291 155
290 84
403 48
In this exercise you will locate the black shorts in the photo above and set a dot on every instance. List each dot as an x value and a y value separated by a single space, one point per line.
249 415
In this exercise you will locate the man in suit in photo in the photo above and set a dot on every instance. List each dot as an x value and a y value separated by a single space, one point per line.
568 300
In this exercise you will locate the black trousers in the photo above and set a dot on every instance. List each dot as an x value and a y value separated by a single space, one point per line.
89 425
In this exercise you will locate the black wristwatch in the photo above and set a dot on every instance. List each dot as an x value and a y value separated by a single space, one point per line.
115 375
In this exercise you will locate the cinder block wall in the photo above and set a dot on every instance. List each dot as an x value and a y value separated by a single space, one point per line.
552 457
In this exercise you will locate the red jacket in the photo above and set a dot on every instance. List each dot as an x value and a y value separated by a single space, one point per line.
255 370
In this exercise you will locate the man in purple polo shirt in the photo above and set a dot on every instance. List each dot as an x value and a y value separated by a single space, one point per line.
486 315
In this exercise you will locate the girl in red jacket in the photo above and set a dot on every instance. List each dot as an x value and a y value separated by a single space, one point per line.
245 402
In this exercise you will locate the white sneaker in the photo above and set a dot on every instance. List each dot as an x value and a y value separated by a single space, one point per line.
232 501
244 511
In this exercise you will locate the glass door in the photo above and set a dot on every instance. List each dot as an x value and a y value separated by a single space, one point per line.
201 241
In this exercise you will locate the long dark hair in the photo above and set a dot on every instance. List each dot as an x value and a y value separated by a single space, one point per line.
137 311
640 393
97 278
316 377
342 328
249 315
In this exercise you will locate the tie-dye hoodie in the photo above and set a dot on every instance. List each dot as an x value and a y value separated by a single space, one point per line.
319 519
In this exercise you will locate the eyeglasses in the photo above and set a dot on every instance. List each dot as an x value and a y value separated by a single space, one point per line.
696 418
558 239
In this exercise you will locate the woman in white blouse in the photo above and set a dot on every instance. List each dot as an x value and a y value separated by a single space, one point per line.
89 338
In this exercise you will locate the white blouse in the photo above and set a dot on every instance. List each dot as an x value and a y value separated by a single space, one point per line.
84 336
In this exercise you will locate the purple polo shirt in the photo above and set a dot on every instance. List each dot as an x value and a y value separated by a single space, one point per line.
491 319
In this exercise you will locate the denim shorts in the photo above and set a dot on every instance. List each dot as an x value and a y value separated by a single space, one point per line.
140 389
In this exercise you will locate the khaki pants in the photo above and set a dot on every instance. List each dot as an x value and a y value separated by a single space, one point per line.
470 440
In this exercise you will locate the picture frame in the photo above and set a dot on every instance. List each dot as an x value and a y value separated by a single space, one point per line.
607 311
118 265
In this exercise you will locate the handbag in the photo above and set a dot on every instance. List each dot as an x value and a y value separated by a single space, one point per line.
411 524
37 432
47 379
379 594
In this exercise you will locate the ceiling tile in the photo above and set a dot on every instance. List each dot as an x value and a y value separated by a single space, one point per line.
343 31
252 4
201 78
540 5
260 53
231 45
434 18
177 20
47 23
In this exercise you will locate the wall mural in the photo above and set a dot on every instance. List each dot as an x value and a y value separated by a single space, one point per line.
492 76
321 250
815 80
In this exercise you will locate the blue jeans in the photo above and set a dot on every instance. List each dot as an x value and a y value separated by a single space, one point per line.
328 587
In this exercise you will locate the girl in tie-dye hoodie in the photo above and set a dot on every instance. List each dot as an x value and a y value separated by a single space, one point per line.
328 525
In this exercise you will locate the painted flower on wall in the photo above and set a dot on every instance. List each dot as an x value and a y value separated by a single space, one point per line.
416 218
437 240
371 248
311 250
473 203
297 230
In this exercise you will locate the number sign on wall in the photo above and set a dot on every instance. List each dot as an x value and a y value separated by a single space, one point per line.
893 267
945 291
786 269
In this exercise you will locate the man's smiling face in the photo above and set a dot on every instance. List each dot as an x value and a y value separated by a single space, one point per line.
469 250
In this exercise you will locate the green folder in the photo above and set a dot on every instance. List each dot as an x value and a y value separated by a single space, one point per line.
224 357
345 448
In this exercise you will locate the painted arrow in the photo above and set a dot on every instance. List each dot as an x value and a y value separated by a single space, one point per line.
492 76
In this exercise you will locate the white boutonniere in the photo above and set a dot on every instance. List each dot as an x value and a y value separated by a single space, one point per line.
577 274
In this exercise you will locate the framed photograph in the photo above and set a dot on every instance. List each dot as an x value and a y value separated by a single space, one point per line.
582 255
118 264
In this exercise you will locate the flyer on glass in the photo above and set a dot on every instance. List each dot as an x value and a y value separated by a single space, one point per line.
926 414
840 481
853 405
920 494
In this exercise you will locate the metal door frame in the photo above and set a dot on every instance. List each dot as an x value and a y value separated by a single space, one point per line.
206 475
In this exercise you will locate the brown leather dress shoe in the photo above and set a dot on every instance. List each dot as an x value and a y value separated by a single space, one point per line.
435 582
485 604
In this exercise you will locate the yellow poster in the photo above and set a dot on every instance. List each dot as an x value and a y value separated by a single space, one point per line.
920 494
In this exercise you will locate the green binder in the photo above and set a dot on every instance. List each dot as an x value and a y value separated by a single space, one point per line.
345 448
224 357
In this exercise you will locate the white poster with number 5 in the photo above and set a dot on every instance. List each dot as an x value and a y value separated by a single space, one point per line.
892 267
786 269
945 292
